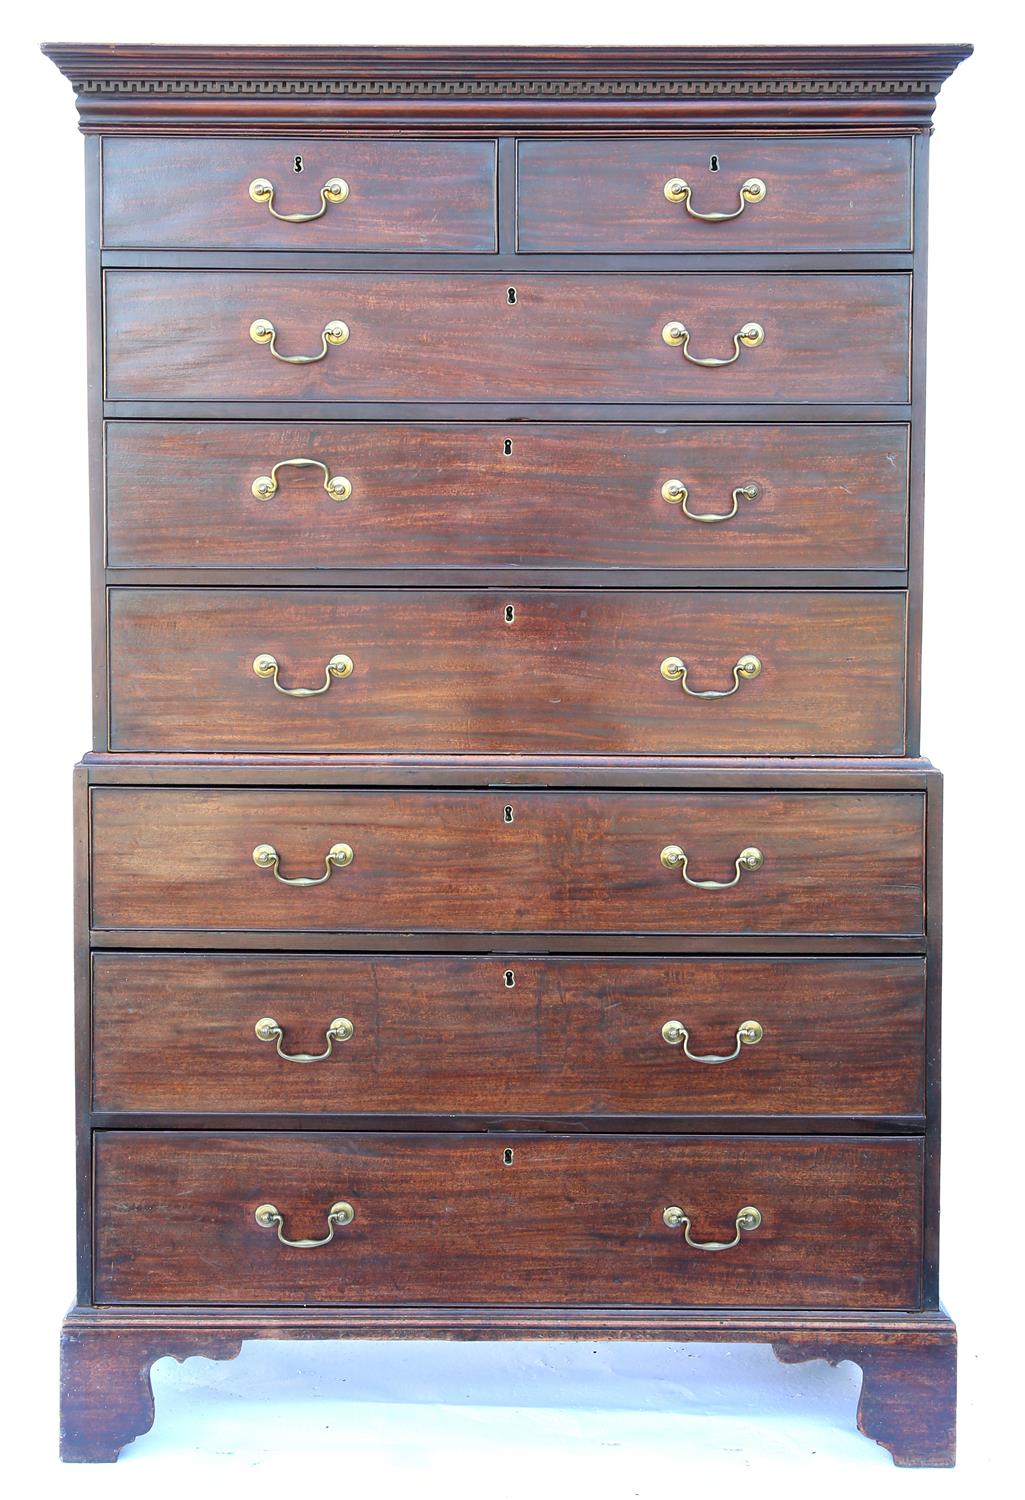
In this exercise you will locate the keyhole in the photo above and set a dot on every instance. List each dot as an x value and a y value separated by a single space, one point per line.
507 817
297 164
510 613
509 979
507 447
507 1157
713 164
510 296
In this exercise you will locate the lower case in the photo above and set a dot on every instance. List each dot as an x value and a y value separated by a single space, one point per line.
909 1360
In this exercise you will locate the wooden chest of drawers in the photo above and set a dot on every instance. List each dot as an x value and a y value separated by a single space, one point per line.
508 880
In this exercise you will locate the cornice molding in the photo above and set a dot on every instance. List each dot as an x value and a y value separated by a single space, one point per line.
509 73
119 85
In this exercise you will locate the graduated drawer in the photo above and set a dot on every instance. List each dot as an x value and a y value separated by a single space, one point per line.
479 495
815 194
512 861
398 194
186 335
438 1035
513 672
494 1218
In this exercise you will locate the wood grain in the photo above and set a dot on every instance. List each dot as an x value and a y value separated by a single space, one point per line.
435 861
175 1032
909 1359
445 670
404 195
442 495
184 335
446 1217
607 196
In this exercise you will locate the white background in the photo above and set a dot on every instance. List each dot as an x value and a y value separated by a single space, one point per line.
478 1420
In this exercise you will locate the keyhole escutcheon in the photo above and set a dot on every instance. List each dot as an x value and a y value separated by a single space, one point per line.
297 164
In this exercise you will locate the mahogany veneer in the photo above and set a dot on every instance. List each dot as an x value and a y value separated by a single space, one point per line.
184 336
556 1083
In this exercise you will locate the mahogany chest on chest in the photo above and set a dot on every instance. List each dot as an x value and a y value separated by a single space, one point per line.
508 879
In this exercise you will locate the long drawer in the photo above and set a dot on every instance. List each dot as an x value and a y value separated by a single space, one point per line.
817 673
477 495
424 1218
811 194
516 862
224 1033
398 194
207 336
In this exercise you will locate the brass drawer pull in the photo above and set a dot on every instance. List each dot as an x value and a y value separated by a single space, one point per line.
335 190
678 335
336 485
678 191
676 492
266 665
674 858
262 331
340 1030
338 1215
266 857
747 1221
674 670
749 1034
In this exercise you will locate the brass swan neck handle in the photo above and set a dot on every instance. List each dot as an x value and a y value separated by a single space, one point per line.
753 190
266 857
340 1030
677 335
747 1221
674 858
335 190
746 669
338 1215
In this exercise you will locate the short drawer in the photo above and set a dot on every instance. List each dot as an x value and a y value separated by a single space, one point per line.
488 1219
805 195
189 335
507 861
396 195
802 672
485 495
225 1033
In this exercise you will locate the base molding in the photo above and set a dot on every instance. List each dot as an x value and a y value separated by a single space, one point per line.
909 1360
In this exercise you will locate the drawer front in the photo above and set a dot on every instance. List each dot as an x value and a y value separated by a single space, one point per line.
176 1032
488 495
517 671
185 335
443 1219
611 195
401 195
426 861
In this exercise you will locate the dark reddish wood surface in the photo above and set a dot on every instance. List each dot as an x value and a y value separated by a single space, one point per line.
440 495
908 1401
106 1394
444 1218
184 335
403 194
909 1359
448 861
239 90
445 670
607 196
449 1035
